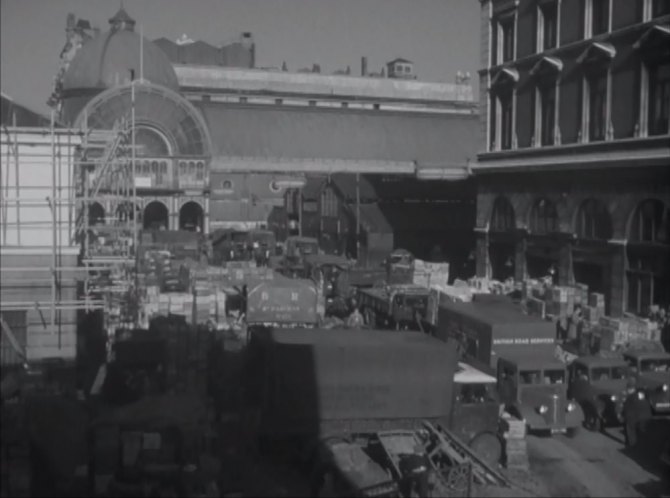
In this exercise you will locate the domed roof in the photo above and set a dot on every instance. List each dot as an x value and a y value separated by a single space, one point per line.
112 57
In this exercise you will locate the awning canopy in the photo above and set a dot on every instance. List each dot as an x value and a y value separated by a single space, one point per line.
656 35
505 75
597 51
547 64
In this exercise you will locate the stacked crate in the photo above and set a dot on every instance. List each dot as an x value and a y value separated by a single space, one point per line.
516 451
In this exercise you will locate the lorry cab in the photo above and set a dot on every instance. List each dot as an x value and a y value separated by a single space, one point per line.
262 244
409 304
475 412
599 386
534 388
651 370
297 247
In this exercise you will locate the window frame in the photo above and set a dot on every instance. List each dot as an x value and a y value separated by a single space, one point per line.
589 18
538 223
545 85
650 68
540 41
587 81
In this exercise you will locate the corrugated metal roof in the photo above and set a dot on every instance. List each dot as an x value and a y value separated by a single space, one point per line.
345 134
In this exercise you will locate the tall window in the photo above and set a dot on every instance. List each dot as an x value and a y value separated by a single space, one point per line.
650 223
547 26
546 91
543 217
600 16
660 8
328 203
593 221
505 102
597 104
659 98
507 35
502 217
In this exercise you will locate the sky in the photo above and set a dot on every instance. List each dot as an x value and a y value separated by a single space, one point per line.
441 37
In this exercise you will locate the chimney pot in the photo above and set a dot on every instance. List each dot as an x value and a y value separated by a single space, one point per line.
364 66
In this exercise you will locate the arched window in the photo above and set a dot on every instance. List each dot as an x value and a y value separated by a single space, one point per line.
593 221
650 223
200 171
502 217
328 203
543 217
191 168
154 167
227 184
146 167
150 143
182 168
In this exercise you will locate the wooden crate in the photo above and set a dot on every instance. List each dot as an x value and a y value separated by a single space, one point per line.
517 454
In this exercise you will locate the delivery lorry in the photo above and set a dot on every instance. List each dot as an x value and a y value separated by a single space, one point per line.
282 302
398 306
488 329
339 396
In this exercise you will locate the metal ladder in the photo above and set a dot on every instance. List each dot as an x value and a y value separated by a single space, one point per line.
446 442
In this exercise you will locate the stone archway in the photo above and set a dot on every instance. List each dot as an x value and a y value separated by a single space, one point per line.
191 217
156 216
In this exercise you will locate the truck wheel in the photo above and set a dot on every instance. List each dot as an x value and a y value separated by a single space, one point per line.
488 447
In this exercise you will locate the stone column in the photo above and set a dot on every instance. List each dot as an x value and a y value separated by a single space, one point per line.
520 256
205 222
174 213
482 252
617 279
565 270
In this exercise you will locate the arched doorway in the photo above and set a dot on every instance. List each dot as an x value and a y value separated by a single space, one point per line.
191 217
590 252
502 244
542 255
648 254
96 214
156 216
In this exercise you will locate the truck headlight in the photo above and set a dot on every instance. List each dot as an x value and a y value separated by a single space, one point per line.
664 388
640 395
542 409
613 398
571 406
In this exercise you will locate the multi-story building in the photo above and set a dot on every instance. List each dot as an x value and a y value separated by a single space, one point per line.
574 163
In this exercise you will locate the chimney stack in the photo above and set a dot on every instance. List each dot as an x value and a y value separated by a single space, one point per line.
364 66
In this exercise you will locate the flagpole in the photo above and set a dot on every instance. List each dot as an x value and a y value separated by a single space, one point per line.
141 53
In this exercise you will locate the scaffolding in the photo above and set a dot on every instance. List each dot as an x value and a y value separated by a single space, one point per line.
96 168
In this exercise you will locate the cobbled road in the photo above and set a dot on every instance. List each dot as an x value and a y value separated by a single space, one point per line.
598 464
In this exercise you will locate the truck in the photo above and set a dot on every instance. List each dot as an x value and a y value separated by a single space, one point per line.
340 397
282 302
325 269
650 371
398 306
490 327
599 385
533 387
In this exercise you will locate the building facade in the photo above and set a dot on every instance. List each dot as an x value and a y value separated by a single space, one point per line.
574 163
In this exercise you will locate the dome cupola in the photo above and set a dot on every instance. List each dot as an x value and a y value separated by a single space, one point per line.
113 58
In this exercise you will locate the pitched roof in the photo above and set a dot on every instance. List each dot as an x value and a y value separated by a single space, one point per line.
346 134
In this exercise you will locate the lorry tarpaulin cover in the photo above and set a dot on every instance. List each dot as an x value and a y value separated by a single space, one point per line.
284 301
315 376
494 329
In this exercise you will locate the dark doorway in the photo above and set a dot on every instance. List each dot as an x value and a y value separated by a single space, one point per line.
156 216
191 217
96 214
501 256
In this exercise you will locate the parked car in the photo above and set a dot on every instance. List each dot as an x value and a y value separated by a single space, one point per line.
599 386
533 386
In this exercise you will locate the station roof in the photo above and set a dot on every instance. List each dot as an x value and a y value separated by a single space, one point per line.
311 134
219 79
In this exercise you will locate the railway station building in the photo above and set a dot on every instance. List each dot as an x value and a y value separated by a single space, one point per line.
573 170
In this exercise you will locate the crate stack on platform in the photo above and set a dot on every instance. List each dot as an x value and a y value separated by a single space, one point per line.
514 434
